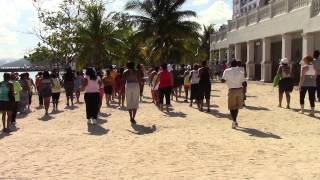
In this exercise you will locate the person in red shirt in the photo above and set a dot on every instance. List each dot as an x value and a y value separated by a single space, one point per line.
165 86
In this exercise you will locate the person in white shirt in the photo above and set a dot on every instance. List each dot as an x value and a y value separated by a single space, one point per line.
234 79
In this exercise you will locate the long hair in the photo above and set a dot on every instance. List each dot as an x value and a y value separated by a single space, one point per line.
91 73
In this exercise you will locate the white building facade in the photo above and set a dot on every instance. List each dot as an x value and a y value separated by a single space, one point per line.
241 7
260 38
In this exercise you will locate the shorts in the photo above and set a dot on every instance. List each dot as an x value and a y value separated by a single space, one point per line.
235 99
108 89
194 91
132 95
204 91
6 105
55 96
186 86
69 87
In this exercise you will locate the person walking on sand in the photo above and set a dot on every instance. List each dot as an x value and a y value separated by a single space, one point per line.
120 87
68 81
91 85
140 69
32 87
6 101
77 85
46 91
186 82
165 81
38 87
108 87
285 83
56 90
234 79
17 89
308 83
242 68
24 94
316 63
132 90
205 86
194 81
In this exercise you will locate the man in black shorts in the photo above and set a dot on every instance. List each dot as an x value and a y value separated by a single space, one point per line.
205 85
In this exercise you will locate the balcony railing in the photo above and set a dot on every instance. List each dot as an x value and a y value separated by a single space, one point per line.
275 8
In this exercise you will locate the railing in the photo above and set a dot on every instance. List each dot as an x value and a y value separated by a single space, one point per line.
315 8
264 12
242 21
275 8
252 18
279 7
295 4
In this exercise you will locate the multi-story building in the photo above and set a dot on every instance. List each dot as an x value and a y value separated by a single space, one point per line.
241 7
282 29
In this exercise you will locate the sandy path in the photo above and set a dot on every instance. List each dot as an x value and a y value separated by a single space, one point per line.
186 144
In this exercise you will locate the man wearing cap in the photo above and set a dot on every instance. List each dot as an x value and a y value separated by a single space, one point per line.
234 79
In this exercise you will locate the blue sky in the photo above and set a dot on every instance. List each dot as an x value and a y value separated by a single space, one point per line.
18 20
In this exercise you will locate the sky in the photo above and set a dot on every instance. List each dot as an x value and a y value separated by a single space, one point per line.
18 20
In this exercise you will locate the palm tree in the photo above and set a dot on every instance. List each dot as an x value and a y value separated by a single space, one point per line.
204 49
98 39
164 27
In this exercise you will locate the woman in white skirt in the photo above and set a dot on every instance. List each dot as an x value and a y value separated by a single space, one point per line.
133 79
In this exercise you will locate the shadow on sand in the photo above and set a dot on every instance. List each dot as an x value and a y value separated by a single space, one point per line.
56 112
142 130
4 134
71 107
46 118
218 114
253 108
97 130
258 133
175 114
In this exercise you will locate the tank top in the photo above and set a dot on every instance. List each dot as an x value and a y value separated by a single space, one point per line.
205 77
92 86
56 88
195 77
4 91
309 77
284 73
165 79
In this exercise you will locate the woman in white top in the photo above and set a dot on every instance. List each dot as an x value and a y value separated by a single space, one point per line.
194 81
308 83
91 85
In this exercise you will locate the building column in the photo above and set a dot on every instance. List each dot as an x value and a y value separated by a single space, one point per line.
266 61
250 66
237 52
286 46
221 55
307 45
229 55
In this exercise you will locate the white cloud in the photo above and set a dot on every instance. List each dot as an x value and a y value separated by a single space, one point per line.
200 2
217 13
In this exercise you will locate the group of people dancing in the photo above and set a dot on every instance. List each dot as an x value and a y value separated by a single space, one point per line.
126 84
167 82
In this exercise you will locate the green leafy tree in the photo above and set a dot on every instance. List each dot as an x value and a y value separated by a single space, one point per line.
164 28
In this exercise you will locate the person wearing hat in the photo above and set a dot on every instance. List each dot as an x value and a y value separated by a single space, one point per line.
285 84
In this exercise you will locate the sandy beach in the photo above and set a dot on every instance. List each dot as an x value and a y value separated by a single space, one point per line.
273 143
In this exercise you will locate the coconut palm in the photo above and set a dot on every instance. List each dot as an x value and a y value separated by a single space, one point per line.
164 27
204 49
98 39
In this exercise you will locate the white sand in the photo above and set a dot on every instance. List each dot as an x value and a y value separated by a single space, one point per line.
275 144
